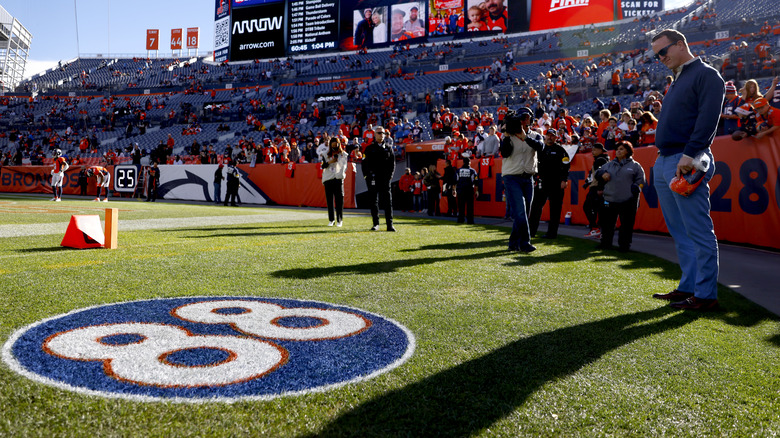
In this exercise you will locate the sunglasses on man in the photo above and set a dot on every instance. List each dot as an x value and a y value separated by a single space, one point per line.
663 51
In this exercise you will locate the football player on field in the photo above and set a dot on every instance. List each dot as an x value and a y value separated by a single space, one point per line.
103 178
58 174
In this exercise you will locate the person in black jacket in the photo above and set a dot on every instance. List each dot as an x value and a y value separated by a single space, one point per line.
153 178
218 177
232 185
466 188
450 179
553 180
431 181
378 169
594 200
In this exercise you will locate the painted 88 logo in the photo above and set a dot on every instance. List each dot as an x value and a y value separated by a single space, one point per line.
194 349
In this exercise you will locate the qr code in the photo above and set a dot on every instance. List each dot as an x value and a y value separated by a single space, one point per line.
222 33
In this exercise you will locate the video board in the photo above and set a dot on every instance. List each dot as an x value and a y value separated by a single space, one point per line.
258 29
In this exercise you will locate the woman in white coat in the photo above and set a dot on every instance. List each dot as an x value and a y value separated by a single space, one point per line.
334 169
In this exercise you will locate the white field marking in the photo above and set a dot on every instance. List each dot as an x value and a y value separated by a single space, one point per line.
10 360
21 230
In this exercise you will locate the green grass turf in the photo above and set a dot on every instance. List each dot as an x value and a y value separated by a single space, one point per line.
563 342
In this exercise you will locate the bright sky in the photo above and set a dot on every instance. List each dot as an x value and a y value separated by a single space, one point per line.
105 26
115 27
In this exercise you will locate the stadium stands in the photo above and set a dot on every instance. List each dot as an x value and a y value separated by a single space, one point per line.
189 99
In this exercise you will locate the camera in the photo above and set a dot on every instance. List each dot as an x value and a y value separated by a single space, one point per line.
513 121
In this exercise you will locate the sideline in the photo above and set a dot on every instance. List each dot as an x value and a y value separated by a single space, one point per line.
751 272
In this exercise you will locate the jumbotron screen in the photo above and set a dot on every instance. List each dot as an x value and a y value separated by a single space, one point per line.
256 29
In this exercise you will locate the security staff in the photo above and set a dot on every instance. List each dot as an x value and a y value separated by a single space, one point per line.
378 169
232 185
553 178
153 179
466 190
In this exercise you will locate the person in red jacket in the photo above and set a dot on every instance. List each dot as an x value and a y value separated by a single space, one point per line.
406 186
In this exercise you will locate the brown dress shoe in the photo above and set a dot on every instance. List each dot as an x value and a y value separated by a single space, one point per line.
674 295
694 303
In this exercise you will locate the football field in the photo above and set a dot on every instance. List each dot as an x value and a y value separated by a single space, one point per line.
219 321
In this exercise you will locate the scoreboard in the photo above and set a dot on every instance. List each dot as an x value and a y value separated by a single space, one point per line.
261 29
313 25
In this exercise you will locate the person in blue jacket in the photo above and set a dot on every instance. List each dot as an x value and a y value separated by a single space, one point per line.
686 129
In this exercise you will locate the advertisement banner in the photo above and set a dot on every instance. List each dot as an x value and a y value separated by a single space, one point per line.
192 37
175 39
447 4
245 3
257 32
152 39
551 14
221 39
37 179
304 188
222 9
638 8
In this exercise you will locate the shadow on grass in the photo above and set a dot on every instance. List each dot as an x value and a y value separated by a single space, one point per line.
575 250
498 243
469 397
372 268
249 233
264 225
46 249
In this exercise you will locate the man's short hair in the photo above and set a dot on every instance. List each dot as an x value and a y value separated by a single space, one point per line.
672 35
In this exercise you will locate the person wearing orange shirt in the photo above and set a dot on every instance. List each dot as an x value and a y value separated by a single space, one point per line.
767 118
84 145
616 82
368 135
604 116
762 49
103 178
503 109
649 123
60 165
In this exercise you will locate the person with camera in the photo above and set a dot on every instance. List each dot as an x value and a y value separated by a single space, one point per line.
553 180
334 170
378 169
518 148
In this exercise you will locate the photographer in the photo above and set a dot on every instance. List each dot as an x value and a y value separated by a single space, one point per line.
518 148
334 169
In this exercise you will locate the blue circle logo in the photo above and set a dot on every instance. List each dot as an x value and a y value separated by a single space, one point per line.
208 348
